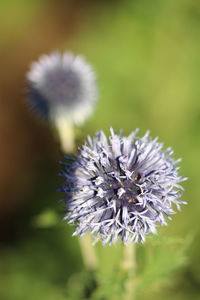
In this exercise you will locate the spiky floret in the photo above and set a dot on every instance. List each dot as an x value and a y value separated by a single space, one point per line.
121 187
62 86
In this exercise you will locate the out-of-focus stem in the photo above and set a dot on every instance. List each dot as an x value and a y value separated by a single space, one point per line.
66 134
88 253
67 141
129 265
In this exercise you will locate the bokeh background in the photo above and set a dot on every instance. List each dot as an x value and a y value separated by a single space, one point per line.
147 57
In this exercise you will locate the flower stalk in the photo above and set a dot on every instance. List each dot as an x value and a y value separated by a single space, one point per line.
67 140
129 266
88 253
66 135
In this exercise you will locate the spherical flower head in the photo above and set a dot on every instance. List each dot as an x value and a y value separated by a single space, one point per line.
62 86
121 187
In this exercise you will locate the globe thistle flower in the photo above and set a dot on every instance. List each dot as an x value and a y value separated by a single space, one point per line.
121 187
62 87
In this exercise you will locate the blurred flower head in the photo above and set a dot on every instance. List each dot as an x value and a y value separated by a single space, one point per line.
62 86
121 187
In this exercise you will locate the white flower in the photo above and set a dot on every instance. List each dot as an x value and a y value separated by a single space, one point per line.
62 86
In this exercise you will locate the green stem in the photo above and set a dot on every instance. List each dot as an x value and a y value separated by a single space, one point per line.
67 141
129 265
88 253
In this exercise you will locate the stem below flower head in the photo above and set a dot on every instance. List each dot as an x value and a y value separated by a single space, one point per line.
129 265
88 253
66 135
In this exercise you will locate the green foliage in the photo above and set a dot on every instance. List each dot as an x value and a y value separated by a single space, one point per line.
47 218
39 267
146 54
111 286
159 259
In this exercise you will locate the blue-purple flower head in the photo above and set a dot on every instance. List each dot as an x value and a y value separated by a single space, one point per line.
62 86
121 187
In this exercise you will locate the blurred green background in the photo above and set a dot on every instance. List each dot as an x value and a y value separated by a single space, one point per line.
147 57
